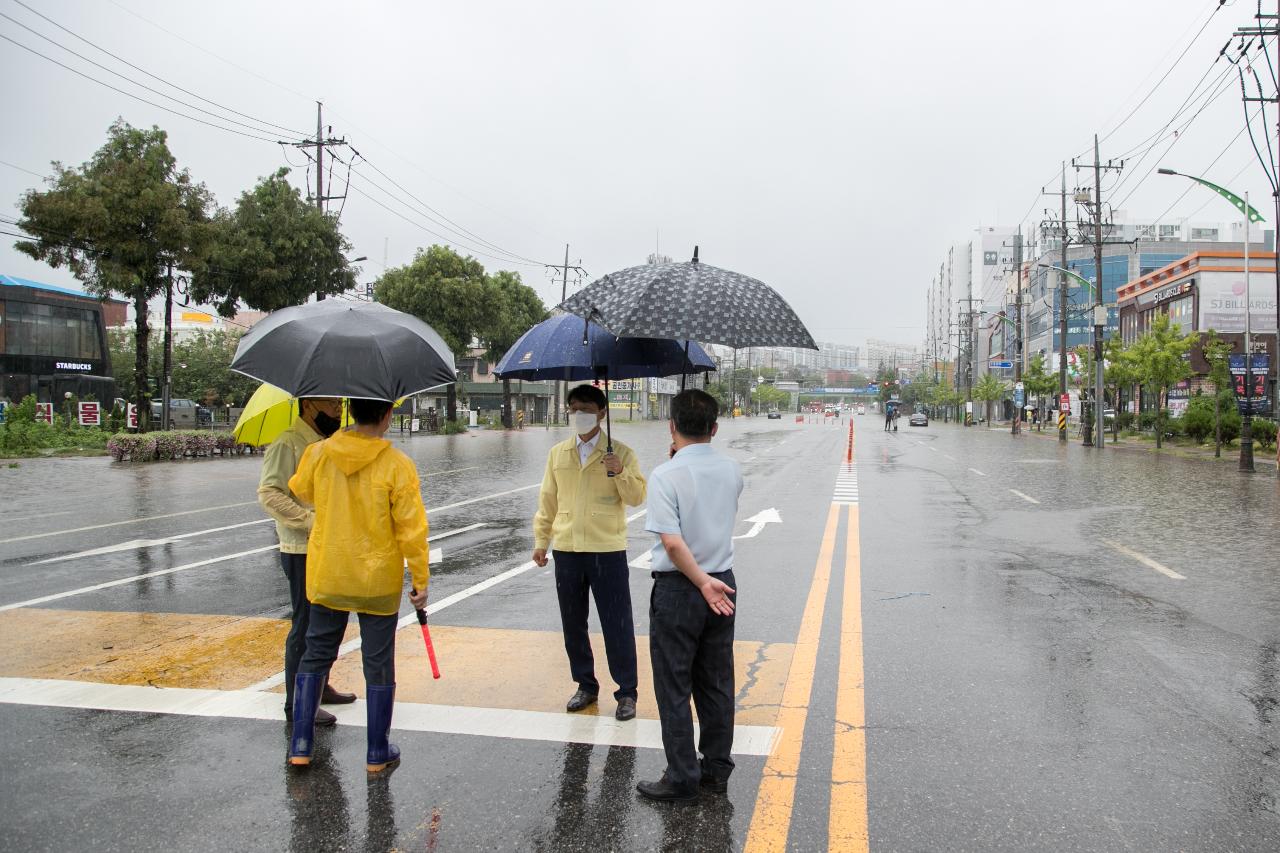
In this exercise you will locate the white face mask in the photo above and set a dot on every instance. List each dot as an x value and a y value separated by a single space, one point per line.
582 422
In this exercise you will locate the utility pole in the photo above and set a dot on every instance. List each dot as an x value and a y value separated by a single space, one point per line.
968 349
1094 424
1018 399
564 269
320 143
1064 236
1268 25
167 372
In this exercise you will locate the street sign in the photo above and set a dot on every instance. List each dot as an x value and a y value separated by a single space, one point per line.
44 412
132 416
3 405
1019 395
1064 403
90 414
1002 365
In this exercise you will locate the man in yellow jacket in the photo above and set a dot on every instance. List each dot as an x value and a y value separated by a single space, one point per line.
317 419
582 515
369 524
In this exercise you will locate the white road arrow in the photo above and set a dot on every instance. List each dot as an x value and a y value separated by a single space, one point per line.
644 561
758 522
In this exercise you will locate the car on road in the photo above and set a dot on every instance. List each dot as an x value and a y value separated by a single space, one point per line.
918 419
775 416
182 413
862 409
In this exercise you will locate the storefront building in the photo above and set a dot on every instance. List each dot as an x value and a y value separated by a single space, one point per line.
1201 292
53 342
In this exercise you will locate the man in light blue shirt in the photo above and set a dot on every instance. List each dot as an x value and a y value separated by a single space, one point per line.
693 506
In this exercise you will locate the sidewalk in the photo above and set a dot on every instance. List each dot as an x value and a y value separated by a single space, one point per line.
1263 460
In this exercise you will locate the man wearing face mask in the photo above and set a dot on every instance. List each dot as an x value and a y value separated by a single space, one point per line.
582 516
317 419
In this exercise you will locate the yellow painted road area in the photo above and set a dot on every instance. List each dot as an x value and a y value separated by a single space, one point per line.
482 667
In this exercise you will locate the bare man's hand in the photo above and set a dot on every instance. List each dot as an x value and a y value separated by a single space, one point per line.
717 594
418 598
540 556
612 464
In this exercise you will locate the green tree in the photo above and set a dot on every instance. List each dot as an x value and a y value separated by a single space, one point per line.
768 397
273 250
1119 371
1039 383
445 290
1216 352
118 222
518 309
202 370
989 389
1160 358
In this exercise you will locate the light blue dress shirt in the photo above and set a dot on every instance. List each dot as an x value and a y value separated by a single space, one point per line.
695 495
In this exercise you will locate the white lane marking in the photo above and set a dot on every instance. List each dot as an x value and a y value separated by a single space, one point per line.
134 579
758 522
644 562
976 471
126 521
432 509
434 555
448 601
410 716
134 544
1144 559
452 471
931 447
34 517
1027 498
230 506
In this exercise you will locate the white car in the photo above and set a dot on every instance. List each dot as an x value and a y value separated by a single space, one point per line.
862 409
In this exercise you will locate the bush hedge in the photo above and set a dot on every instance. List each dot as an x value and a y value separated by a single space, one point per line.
176 444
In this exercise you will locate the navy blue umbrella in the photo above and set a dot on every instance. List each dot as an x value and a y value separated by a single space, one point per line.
567 347
564 347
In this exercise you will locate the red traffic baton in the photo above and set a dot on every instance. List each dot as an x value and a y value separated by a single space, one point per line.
426 638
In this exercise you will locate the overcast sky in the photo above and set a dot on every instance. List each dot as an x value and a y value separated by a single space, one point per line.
833 150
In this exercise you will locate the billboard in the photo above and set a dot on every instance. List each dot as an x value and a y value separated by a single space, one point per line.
1222 301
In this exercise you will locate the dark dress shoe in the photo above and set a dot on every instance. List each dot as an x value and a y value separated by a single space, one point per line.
335 697
581 699
714 785
323 718
664 792
626 709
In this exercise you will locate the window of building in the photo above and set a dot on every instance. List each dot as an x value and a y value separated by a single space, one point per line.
1170 232
1181 315
51 330
1204 233
1146 232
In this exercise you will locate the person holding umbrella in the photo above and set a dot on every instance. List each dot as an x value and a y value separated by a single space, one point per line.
317 419
369 524
581 514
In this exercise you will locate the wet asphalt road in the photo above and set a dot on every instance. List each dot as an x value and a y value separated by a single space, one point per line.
1031 682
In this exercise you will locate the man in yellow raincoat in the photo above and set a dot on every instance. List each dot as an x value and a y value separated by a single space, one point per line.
370 523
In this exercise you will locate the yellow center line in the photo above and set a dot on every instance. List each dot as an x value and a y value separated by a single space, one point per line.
847 826
771 821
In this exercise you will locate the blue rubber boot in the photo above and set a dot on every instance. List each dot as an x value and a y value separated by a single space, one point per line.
382 753
306 699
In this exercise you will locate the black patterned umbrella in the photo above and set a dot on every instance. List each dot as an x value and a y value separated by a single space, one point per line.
690 300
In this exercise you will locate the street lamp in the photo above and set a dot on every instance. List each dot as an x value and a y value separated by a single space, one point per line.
1250 215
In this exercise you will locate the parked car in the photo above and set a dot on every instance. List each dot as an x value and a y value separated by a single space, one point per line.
182 413
775 416
919 419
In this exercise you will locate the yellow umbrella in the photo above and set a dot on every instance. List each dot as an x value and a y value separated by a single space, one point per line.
268 413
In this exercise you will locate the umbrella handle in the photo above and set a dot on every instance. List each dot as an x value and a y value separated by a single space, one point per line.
608 423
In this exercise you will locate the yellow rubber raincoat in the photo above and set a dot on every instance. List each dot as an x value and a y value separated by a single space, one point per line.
369 522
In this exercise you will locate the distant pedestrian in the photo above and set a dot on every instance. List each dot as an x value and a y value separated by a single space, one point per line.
317 419
520 419
582 517
369 524
693 506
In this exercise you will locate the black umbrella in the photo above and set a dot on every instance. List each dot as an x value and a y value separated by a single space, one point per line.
690 300
340 348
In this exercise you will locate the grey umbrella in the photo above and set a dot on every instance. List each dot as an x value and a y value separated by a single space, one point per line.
690 300
340 348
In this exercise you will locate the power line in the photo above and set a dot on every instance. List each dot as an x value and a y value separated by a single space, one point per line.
21 169
142 70
131 95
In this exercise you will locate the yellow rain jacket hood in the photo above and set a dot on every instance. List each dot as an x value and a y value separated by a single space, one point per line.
369 522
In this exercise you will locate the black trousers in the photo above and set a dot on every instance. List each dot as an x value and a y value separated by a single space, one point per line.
295 569
377 643
604 576
692 652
